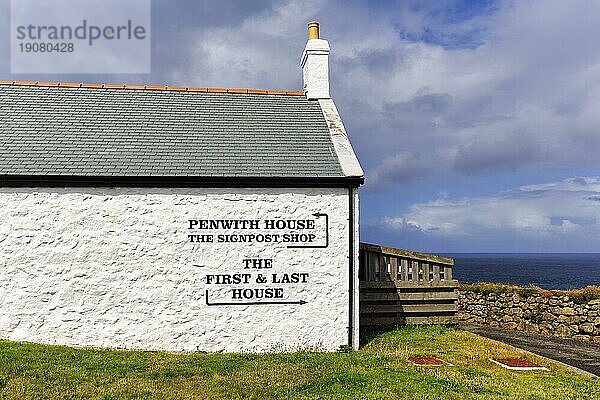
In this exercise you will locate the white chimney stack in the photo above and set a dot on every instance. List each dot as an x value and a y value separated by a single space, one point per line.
315 64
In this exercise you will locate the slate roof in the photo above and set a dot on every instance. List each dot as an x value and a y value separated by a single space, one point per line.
112 131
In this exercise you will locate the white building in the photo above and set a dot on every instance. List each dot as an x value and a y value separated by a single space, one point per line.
180 219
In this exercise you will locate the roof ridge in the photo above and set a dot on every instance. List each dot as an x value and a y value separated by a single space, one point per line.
150 87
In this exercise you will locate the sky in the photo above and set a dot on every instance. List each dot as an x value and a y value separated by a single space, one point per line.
477 122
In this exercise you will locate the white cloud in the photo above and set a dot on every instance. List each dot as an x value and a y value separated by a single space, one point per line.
126 52
527 98
403 166
587 184
512 87
557 211
259 52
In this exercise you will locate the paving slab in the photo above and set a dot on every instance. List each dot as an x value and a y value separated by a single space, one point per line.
582 355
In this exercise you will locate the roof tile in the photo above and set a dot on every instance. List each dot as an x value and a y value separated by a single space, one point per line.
67 131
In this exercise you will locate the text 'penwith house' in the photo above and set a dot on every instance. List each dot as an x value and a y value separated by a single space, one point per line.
180 219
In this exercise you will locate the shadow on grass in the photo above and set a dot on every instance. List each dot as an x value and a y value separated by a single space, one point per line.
369 333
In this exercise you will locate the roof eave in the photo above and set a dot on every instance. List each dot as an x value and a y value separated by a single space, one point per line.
177 181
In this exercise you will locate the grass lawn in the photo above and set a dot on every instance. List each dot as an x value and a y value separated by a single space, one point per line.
380 370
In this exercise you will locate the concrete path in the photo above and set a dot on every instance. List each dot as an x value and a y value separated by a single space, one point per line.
575 353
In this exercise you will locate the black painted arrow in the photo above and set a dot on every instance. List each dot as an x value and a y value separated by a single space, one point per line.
252 302
326 235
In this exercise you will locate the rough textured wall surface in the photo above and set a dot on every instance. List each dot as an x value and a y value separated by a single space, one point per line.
115 268
555 315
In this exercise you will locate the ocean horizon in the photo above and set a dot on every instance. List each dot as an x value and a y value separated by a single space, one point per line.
547 270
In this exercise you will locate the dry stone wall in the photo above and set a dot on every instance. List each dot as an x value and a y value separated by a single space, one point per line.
555 314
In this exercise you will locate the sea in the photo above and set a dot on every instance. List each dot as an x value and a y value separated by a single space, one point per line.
549 271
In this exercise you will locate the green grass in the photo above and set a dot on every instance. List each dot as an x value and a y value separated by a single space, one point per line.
578 296
380 370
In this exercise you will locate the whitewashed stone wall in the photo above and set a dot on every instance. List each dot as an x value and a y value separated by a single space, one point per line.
114 267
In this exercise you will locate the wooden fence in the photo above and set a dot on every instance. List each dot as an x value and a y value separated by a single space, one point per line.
399 287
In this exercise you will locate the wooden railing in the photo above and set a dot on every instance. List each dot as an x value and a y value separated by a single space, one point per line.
400 287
